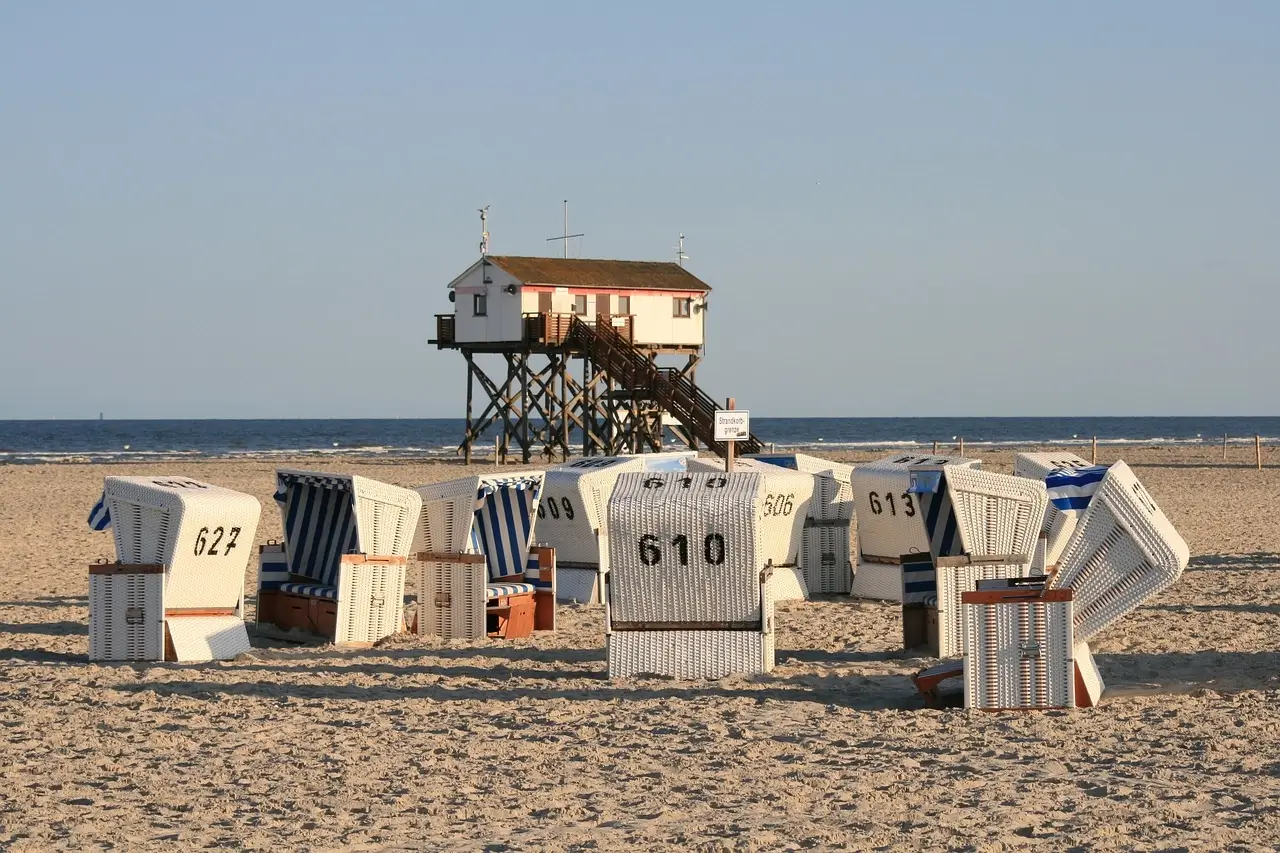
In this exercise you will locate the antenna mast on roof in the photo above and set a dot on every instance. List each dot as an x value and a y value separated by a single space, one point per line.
681 257
484 231
567 235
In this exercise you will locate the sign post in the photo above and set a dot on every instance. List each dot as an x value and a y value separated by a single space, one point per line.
731 426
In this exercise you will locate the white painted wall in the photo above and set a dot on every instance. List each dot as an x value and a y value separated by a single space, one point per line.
502 321
655 322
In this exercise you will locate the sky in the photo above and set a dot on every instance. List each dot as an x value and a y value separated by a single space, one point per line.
1003 209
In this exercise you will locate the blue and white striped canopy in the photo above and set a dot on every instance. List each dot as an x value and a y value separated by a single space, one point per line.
940 525
503 528
319 523
100 516
1071 489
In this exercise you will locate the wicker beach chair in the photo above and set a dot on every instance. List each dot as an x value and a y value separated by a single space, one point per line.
479 571
340 571
1124 550
786 508
571 515
827 547
1059 523
688 593
176 589
979 526
889 521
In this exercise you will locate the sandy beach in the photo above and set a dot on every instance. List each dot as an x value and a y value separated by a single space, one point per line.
526 745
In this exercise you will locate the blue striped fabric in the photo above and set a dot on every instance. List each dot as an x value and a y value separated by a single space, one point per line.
99 516
503 528
1073 488
312 590
319 523
939 517
498 590
533 573
919 582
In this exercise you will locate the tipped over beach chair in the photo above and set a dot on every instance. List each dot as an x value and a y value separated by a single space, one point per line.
340 571
827 548
480 573
788 497
1124 551
176 590
688 593
889 521
1061 517
571 515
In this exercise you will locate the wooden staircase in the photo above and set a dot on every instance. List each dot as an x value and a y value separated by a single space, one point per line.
667 387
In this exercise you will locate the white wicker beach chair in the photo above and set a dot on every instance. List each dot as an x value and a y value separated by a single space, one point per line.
827 545
340 572
1123 552
1059 524
688 592
1021 652
571 515
980 526
480 573
176 590
889 521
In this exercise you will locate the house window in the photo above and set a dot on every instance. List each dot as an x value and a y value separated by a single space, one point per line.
580 306
478 304
624 305
682 306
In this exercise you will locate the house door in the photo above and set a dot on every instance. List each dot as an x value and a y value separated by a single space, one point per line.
544 303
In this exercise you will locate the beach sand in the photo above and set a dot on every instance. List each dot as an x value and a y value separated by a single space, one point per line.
526 745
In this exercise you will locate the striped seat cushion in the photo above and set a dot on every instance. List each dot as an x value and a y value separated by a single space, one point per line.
931 601
498 590
311 590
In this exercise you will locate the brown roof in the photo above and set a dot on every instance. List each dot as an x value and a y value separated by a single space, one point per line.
610 275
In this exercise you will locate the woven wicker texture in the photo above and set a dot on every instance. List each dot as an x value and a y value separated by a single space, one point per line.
451 600
581 586
877 582
996 514
1018 655
952 582
825 558
787 584
370 601
686 547
787 498
690 654
1124 551
890 523
571 515
126 617
201 533
1058 525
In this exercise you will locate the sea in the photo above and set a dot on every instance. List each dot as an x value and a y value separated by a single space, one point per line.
108 441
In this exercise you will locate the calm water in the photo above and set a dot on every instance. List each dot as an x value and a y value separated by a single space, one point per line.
118 441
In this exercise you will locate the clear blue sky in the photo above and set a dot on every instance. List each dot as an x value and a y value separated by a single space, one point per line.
1019 208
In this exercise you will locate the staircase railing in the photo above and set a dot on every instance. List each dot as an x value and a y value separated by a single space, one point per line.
674 392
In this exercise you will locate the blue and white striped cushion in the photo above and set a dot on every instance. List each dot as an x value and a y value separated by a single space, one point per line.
319 524
1071 489
312 590
498 590
919 582
503 526
533 573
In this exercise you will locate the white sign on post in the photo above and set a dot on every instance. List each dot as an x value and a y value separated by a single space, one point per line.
733 425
